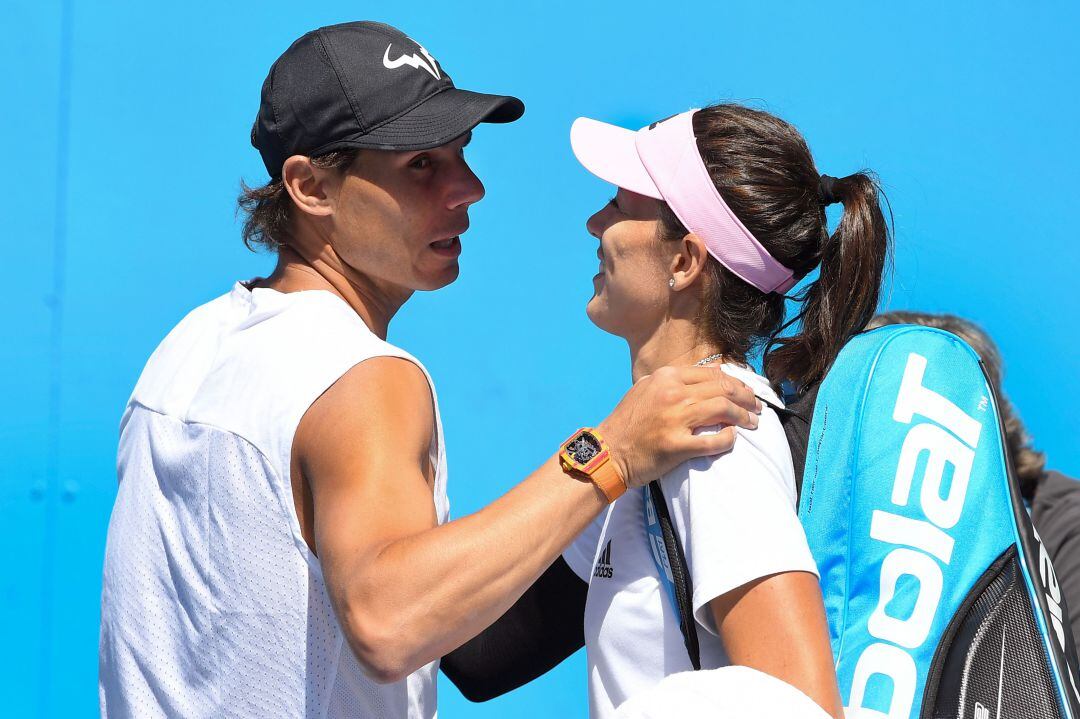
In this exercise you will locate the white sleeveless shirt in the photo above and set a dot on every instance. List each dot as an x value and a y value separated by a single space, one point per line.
212 603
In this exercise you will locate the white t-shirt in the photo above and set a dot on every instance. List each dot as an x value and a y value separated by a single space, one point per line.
736 517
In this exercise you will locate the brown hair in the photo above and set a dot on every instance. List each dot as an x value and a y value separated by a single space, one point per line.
268 209
1030 465
763 169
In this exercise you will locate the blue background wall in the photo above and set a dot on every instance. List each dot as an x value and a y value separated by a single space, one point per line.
125 134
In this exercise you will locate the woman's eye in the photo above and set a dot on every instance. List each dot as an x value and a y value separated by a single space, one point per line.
420 162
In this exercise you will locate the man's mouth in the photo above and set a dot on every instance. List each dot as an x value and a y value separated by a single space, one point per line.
450 247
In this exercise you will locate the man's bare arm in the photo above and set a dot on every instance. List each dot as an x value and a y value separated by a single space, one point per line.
408 591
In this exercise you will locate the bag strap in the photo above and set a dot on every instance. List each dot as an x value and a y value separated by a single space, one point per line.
796 419
670 561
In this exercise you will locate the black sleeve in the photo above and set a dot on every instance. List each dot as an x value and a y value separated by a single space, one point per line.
1056 514
545 626
1067 569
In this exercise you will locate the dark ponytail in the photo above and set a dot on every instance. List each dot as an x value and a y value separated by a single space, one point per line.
763 169
844 297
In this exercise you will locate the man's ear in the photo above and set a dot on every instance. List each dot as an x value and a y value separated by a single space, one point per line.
312 189
689 261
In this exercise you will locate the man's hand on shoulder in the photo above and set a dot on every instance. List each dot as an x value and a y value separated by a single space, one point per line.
651 430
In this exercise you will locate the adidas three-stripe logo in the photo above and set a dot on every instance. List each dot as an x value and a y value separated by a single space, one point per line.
604 570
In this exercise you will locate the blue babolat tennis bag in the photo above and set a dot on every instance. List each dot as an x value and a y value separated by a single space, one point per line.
940 599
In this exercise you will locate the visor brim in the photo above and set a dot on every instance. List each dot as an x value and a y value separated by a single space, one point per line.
609 152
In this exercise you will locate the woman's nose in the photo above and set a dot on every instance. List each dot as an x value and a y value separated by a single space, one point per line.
595 225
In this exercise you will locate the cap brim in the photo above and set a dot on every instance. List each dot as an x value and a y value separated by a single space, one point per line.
436 121
608 152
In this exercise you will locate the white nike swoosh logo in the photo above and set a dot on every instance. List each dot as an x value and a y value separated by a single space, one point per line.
413 60
1001 673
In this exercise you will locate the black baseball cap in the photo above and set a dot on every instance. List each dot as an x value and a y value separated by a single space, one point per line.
364 85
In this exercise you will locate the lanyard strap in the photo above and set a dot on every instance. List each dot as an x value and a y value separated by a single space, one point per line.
667 553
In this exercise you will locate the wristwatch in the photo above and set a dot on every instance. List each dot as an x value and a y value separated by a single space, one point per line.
585 455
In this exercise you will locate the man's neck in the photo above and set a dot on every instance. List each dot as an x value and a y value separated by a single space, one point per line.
675 342
315 266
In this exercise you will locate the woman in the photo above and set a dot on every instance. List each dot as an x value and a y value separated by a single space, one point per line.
718 213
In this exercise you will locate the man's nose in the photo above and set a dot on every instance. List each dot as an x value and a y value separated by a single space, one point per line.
465 187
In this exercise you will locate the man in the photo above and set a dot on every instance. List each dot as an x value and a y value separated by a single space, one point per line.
1052 498
280 544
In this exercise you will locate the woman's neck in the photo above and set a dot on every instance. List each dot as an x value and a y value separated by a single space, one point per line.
675 342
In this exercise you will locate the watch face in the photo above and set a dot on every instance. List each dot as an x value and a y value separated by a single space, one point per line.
583 448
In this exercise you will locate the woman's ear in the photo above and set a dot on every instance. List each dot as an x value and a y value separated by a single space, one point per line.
312 189
688 262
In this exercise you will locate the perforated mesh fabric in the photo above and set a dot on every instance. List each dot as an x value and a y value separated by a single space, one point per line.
996 664
212 603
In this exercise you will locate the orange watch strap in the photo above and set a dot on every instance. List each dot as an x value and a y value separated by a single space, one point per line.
606 477
605 474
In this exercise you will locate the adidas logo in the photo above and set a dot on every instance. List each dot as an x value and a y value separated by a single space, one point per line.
604 570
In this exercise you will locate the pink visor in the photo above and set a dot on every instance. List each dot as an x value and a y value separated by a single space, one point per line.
662 161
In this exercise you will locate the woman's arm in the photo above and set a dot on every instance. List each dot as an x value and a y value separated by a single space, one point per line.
545 626
776 624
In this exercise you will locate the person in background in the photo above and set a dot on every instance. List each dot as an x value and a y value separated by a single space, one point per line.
1052 498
